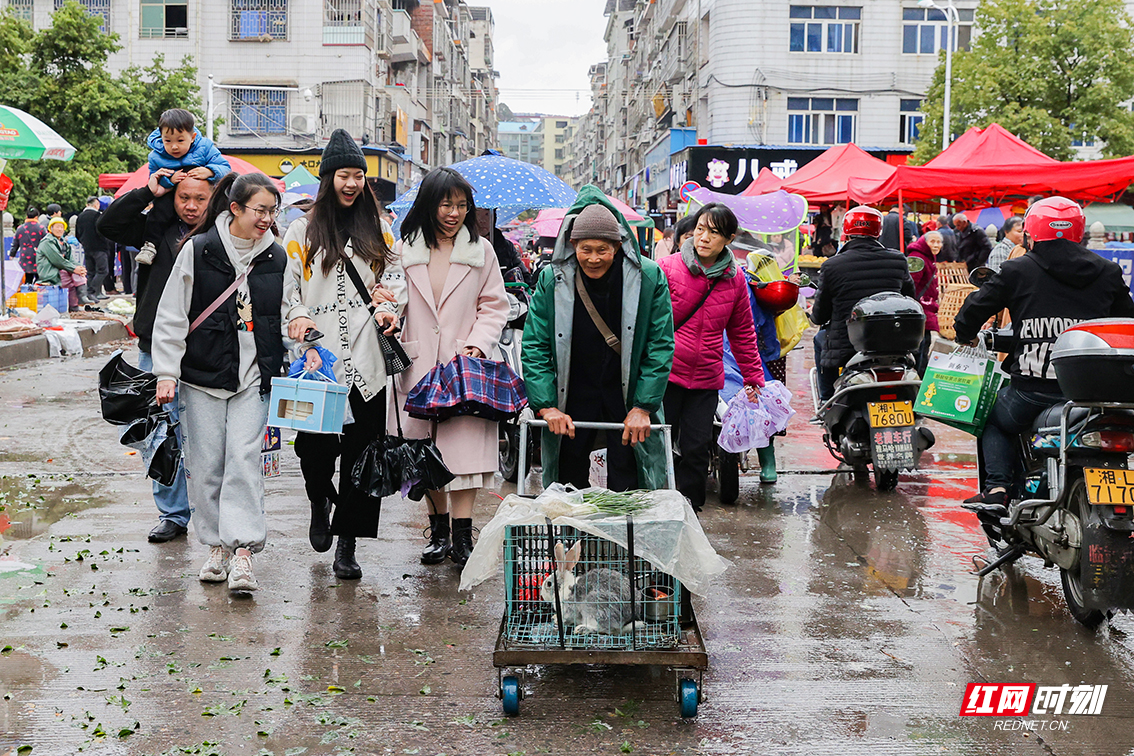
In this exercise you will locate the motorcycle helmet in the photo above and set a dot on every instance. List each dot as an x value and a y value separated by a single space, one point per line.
1055 218
862 221
776 297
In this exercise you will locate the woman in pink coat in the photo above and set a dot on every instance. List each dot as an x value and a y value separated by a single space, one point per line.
457 305
710 296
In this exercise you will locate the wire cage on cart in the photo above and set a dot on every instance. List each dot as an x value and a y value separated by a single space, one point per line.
612 586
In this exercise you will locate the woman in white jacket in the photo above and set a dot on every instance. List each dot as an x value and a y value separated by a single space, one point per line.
343 228
218 331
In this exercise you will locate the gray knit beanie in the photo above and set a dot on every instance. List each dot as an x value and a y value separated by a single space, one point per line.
596 222
341 152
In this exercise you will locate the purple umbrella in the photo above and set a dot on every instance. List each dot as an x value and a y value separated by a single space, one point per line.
774 213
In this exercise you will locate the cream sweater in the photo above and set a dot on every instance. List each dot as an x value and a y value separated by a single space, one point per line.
333 302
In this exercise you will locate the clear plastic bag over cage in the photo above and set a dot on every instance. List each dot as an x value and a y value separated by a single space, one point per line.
601 604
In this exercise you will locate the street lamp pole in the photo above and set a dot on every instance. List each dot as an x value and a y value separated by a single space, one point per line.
209 111
953 19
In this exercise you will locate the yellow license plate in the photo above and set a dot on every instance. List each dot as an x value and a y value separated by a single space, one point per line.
890 414
1106 486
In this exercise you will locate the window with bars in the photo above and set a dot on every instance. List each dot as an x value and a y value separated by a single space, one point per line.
255 19
343 22
257 111
22 9
926 30
910 122
821 120
824 28
97 8
162 19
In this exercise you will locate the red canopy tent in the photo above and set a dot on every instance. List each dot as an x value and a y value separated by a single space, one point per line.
976 186
764 183
825 179
126 182
994 145
991 167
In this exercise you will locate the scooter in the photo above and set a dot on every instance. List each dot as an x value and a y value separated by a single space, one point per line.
1073 506
510 347
869 422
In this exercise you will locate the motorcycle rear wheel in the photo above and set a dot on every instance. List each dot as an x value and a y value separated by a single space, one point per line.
1072 579
885 480
509 451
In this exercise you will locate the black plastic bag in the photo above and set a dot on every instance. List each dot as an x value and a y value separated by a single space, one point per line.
388 464
126 393
166 458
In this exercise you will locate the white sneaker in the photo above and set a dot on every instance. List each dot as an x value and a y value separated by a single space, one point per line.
215 569
240 577
146 254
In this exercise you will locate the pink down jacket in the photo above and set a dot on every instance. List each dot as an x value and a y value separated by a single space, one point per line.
698 358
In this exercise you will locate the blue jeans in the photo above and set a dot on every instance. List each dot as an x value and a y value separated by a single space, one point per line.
1012 415
172 501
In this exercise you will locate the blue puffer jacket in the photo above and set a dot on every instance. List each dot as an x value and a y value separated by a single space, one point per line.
769 344
203 153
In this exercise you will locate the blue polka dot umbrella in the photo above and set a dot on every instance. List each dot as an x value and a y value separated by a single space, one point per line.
507 185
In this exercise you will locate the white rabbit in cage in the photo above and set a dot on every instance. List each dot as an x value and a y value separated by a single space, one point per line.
598 601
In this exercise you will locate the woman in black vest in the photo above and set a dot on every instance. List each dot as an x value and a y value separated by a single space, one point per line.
218 331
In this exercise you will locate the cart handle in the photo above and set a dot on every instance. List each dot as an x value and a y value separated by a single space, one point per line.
522 470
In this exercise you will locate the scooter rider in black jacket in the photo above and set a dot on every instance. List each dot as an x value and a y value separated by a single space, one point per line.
861 268
1057 284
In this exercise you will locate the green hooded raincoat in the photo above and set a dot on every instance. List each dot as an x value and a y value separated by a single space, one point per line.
647 317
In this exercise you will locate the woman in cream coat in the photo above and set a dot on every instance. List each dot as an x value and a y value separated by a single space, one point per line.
457 305
343 228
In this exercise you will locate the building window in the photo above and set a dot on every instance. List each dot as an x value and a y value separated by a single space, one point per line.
926 30
824 28
560 138
911 120
163 19
256 19
559 153
342 22
560 124
258 111
99 8
22 9
821 120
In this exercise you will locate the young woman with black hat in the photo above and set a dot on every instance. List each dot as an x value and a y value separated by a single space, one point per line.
340 245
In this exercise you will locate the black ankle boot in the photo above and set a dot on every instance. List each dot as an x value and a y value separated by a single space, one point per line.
345 567
320 531
462 541
439 543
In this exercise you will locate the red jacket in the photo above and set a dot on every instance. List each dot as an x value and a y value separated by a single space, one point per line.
925 282
698 358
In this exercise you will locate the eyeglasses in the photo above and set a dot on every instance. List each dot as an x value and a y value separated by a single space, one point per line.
449 207
264 212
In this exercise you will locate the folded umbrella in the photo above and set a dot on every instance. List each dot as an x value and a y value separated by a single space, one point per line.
126 393
468 386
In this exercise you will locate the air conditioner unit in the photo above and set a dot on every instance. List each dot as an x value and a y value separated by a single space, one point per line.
303 124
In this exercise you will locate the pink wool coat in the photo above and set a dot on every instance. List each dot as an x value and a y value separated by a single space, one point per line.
698 356
473 312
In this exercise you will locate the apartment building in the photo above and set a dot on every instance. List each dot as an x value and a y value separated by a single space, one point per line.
545 140
282 74
790 74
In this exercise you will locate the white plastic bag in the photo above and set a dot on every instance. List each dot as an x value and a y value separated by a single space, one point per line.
749 425
597 474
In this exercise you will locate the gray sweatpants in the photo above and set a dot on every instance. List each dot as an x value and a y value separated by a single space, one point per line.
223 439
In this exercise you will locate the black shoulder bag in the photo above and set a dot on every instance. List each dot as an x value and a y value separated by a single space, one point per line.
397 361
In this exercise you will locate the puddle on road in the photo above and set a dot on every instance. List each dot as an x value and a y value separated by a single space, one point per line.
29 505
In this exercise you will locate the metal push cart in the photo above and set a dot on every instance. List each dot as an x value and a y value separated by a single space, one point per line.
533 632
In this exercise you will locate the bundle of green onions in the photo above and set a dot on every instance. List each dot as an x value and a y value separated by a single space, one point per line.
614 504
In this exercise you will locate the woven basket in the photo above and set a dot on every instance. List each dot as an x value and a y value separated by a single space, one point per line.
952 273
952 298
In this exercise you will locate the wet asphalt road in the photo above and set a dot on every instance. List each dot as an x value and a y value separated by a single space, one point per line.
848 623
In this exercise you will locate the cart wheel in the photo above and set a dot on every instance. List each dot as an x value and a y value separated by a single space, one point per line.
510 691
690 697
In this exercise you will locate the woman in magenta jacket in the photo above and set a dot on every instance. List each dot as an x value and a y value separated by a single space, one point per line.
710 297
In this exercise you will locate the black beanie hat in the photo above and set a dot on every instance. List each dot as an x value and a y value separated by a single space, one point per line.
341 152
